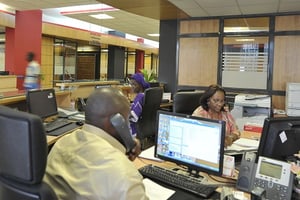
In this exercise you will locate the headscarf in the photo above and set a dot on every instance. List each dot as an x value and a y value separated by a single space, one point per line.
139 78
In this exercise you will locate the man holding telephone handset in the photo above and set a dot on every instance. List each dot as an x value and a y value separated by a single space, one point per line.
95 161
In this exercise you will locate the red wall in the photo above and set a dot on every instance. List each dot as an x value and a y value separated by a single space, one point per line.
27 37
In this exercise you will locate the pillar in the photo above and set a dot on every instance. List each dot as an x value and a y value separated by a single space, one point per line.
27 37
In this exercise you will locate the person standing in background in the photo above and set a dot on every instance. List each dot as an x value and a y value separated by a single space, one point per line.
138 85
212 106
32 75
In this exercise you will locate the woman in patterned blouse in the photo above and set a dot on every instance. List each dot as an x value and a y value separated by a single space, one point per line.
212 106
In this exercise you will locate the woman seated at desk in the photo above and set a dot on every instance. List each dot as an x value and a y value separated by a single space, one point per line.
212 106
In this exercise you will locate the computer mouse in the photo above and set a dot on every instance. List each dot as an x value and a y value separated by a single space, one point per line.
79 123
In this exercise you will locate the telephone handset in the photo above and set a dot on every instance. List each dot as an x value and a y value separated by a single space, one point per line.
269 178
122 128
81 103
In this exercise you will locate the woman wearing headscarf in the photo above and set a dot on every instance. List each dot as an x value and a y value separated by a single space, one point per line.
139 85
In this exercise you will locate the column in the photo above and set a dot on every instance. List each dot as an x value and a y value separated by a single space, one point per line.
27 37
116 63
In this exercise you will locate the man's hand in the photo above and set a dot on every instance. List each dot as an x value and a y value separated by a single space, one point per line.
135 152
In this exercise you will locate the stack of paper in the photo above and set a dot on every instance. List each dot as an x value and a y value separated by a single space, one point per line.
243 144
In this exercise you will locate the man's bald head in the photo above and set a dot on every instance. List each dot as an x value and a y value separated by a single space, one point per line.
103 103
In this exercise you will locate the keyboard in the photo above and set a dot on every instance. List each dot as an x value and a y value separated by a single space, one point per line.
175 179
56 124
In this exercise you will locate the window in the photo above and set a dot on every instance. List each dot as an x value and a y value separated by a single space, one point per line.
245 53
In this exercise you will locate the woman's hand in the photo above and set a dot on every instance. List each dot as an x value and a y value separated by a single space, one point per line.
229 139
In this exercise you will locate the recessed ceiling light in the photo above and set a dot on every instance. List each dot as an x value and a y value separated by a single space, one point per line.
102 16
153 34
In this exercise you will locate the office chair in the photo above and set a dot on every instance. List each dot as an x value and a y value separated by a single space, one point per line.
147 122
23 157
186 102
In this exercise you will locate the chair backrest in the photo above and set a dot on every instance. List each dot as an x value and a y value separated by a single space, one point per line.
147 121
186 102
23 156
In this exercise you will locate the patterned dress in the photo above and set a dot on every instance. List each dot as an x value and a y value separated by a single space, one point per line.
136 111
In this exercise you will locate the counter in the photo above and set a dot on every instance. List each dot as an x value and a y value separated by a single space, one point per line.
8 83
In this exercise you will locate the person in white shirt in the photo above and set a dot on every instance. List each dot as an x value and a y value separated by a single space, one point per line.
91 162
32 76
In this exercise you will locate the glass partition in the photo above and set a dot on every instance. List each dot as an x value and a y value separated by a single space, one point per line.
246 25
64 60
245 62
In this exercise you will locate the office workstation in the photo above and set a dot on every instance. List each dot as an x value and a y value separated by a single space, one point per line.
174 160
177 123
191 65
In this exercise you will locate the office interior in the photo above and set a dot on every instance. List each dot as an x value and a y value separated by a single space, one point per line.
193 53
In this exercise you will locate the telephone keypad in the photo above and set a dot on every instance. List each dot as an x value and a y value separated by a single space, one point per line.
277 191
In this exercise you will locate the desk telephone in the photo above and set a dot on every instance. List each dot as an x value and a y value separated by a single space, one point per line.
121 126
268 179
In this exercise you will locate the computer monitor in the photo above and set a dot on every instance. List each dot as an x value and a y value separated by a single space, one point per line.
196 143
4 72
280 138
42 102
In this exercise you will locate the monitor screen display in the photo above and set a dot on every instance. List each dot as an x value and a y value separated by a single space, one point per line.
280 138
42 102
197 143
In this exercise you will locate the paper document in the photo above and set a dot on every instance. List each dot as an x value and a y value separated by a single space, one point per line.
149 154
67 112
155 191
243 144
80 117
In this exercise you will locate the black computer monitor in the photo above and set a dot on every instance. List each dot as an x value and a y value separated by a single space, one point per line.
4 72
42 102
280 138
196 143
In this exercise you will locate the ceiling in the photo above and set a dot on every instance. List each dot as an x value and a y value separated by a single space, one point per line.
141 17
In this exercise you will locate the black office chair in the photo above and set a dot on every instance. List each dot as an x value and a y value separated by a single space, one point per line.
147 122
23 157
186 102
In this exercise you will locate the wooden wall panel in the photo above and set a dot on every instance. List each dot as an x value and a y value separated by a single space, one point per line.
278 102
78 34
287 23
286 61
47 62
86 66
198 61
199 26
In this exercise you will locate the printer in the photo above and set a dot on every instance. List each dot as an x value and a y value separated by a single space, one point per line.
250 110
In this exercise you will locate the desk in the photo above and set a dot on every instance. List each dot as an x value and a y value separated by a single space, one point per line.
166 105
140 162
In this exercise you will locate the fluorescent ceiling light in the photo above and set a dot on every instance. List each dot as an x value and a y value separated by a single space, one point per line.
153 34
102 16
86 9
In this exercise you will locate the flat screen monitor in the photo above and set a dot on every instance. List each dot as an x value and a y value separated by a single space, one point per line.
4 72
280 138
193 142
42 102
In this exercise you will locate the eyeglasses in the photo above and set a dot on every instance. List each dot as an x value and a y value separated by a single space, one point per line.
218 101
